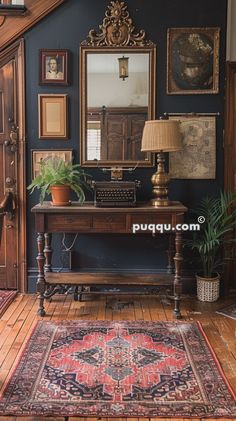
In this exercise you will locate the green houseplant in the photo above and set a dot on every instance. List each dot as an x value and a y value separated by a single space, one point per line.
212 240
56 175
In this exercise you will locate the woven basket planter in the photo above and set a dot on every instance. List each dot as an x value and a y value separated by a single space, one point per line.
208 289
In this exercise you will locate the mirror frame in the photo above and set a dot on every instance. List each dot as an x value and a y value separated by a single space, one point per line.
116 36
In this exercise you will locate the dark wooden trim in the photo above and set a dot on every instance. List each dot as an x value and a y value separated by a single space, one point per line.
16 53
230 148
15 26
229 138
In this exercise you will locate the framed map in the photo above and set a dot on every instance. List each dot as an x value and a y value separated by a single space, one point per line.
197 159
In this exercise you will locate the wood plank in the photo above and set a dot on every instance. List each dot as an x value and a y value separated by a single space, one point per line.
108 278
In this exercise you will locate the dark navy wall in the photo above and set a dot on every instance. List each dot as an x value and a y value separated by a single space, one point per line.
66 28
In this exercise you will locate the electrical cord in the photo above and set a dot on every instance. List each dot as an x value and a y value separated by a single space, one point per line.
66 249
72 244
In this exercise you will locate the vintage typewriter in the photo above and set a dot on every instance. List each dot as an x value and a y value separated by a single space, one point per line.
115 193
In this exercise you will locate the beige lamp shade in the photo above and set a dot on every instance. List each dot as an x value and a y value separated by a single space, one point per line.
161 135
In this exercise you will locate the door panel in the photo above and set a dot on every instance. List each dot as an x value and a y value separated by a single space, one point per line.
8 170
116 132
135 127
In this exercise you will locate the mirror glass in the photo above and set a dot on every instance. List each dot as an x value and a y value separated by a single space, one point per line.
116 100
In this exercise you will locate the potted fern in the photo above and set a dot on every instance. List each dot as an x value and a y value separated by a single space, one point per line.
215 233
58 178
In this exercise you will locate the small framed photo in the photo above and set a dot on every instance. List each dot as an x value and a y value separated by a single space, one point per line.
47 154
53 116
54 67
193 60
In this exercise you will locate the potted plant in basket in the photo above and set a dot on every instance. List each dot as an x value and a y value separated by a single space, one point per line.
58 178
209 242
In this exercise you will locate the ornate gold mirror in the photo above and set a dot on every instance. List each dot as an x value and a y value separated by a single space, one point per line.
117 91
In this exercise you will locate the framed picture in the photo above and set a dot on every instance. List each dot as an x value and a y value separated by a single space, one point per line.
54 67
53 116
44 155
193 60
197 159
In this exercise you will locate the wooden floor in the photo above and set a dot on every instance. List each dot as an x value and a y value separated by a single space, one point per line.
16 323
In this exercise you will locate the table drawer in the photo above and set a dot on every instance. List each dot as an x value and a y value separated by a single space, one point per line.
151 219
68 223
108 222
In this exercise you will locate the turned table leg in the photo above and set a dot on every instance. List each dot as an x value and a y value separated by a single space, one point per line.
170 254
40 279
177 279
48 252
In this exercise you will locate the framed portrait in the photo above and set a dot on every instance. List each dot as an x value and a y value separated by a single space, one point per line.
193 60
53 116
47 154
197 159
54 67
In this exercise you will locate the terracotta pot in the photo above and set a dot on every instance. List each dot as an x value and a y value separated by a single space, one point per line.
208 289
60 195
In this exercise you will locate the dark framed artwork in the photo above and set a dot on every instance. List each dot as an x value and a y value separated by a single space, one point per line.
197 159
40 155
193 60
54 67
53 116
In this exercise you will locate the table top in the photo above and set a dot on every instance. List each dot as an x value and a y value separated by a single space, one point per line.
89 207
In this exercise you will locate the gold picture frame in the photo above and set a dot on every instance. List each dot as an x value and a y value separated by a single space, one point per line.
53 116
193 60
46 154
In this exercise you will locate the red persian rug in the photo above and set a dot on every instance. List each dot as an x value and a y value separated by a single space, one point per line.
6 297
99 368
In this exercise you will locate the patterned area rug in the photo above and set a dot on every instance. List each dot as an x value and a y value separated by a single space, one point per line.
100 368
229 311
6 297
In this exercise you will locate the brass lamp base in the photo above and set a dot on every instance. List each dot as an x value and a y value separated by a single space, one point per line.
157 203
160 181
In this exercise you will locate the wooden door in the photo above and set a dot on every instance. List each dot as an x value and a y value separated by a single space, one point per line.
8 250
12 174
135 129
230 158
115 138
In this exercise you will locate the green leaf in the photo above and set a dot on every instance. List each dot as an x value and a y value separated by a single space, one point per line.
58 172
216 232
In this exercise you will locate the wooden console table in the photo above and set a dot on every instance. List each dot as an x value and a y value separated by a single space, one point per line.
87 219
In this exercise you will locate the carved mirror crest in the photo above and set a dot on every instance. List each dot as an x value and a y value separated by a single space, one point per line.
117 88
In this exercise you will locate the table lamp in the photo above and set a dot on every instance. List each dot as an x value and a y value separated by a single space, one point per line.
161 136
